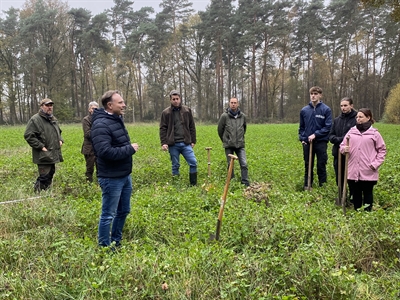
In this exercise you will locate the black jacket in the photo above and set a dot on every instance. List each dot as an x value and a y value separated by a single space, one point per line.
341 125
111 144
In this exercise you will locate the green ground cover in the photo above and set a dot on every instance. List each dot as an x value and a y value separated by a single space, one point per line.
299 246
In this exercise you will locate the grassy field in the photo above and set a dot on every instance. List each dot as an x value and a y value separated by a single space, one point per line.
299 246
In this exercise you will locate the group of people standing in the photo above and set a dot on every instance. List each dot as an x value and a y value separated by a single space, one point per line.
351 134
107 146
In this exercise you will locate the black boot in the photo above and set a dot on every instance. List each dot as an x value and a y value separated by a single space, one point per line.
193 178
37 187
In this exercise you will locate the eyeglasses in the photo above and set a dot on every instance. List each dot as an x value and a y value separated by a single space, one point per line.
49 104
314 93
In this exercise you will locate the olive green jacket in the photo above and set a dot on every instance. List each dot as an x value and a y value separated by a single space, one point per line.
231 129
42 131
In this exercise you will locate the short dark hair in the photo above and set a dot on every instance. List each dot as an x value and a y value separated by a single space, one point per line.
348 99
316 89
107 97
367 112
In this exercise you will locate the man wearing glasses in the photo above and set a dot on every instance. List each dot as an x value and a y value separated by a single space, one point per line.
44 136
315 124
178 135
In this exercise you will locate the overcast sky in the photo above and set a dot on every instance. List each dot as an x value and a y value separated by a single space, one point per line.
98 6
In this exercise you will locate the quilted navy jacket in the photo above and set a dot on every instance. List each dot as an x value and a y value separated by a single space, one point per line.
111 144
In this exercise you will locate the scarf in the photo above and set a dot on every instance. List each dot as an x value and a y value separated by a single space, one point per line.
233 113
363 127
48 117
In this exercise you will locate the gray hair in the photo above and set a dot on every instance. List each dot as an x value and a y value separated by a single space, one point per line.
93 103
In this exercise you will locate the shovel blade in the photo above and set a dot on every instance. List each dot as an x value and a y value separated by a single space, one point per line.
217 232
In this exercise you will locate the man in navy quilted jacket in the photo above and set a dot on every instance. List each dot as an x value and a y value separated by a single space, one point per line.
315 124
113 150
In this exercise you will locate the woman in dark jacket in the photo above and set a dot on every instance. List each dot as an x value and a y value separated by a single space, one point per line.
341 125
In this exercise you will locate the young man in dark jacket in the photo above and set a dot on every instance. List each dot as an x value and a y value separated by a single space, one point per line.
87 148
231 130
341 125
315 124
178 135
44 136
113 150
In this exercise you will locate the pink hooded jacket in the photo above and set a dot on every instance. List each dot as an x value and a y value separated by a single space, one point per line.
367 153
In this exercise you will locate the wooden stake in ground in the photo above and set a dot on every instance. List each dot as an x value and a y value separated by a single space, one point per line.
339 198
310 157
223 200
209 160
346 166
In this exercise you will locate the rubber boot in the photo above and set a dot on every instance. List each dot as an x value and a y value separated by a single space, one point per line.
193 179
37 187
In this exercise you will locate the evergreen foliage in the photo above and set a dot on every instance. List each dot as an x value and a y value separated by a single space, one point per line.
267 53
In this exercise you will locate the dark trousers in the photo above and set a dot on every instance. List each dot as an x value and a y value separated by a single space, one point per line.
90 163
336 167
319 150
362 193
241 154
46 173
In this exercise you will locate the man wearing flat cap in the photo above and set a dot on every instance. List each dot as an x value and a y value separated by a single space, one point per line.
44 136
178 135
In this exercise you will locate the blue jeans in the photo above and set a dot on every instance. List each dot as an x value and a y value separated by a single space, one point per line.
116 205
187 152
241 154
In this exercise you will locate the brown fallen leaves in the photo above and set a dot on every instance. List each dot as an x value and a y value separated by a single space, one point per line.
258 192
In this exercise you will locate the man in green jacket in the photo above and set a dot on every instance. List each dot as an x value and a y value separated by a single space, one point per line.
44 136
231 131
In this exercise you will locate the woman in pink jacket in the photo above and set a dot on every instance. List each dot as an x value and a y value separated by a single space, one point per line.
366 151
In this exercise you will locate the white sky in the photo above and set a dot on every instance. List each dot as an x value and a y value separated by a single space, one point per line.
98 6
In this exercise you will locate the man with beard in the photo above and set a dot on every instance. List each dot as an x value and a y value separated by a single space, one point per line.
44 136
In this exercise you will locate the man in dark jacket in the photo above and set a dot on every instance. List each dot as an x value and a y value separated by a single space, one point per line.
87 148
178 135
113 150
44 136
315 124
231 131
341 125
